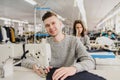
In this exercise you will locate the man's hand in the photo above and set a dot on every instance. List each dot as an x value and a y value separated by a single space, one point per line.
38 70
77 33
63 73
41 71
47 69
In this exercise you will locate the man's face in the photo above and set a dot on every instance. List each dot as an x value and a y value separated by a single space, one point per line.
53 26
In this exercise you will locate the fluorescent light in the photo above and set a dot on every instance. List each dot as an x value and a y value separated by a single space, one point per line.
31 2
16 21
13 20
60 17
5 19
25 22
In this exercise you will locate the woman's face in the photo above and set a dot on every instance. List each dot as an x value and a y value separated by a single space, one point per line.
79 28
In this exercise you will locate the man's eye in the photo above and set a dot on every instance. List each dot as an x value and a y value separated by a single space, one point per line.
46 25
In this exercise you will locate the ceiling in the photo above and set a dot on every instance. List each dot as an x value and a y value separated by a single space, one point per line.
21 10
96 10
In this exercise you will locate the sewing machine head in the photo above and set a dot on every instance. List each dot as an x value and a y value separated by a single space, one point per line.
41 52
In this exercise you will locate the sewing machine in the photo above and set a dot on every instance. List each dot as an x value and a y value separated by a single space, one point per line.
6 60
41 52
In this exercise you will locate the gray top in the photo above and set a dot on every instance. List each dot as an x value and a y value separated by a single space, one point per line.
65 53
86 41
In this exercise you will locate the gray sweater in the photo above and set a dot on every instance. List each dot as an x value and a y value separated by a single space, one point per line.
86 41
66 52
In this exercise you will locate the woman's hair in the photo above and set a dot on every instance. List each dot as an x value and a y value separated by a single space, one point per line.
74 27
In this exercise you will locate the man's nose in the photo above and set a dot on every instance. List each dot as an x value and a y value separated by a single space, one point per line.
51 26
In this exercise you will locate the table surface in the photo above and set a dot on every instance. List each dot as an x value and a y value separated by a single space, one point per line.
21 73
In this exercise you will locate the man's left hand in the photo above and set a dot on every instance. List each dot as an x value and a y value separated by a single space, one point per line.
63 73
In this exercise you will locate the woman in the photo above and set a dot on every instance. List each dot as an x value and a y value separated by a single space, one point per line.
79 31
110 35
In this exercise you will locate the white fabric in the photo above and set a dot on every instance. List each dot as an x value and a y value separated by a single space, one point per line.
105 41
4 34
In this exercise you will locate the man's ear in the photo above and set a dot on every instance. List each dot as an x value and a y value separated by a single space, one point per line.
60 23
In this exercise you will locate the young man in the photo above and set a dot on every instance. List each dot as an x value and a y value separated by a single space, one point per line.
65 50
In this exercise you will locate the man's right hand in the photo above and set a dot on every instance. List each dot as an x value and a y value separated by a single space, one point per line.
47 69
41 71
38 70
